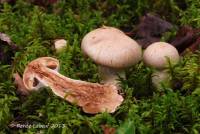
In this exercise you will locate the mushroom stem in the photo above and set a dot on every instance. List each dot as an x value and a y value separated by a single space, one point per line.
110 75
110 48
92 97
158 55
160 77
20 85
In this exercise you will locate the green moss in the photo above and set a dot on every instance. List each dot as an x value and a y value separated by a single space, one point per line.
174 109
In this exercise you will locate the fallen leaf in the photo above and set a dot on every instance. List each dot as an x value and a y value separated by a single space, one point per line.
150 29
195 45
145 42
8 1
186 37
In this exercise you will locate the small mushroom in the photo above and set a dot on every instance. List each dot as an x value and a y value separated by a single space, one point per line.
157 56
59 44
92 97
112 50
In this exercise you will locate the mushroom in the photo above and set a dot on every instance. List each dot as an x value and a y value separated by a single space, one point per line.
92 97
21 89
157 56
112 50
59 44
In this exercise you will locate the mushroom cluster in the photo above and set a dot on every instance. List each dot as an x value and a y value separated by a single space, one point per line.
112 50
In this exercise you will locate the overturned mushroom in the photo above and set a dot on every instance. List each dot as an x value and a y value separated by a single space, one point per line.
92 97
112 50
157 55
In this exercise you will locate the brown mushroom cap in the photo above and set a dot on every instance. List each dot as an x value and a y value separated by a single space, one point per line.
110 47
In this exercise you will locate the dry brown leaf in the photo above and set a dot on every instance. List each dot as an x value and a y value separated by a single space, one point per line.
186 37
150 29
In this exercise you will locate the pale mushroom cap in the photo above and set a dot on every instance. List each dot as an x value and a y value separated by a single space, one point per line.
110 47
60 44
156 55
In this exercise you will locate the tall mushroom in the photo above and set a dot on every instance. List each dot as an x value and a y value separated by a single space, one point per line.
112 50
157 55
92 97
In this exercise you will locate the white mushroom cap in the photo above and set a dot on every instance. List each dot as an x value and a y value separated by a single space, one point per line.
60 44
157 55
108 46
